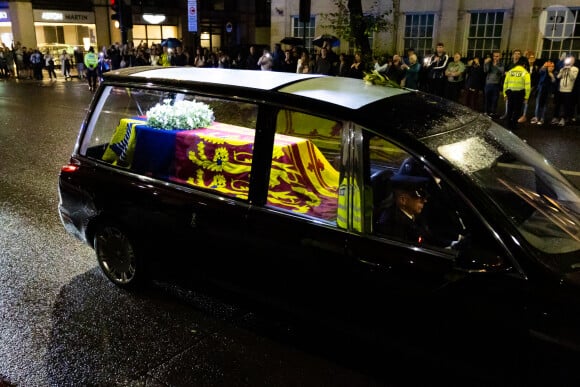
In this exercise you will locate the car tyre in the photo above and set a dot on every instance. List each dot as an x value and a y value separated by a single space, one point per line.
117 256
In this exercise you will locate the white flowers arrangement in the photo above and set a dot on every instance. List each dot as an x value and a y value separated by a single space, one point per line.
181 115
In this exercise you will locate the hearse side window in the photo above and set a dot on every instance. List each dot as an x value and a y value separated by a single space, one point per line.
385 159
304 176
215 156
403 187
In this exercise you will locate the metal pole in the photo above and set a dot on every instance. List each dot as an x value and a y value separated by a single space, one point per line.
124 39
304 33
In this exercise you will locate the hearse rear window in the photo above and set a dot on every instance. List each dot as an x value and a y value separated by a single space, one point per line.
183 138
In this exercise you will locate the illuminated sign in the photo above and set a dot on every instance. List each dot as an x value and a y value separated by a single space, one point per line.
153 19
192 15
76 17
3 15
49 16
52 16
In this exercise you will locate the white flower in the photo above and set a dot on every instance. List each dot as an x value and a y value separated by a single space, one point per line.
182 115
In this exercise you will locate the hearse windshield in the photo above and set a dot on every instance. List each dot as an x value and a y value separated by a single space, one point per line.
536 197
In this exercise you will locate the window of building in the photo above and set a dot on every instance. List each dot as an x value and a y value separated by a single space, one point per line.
419 32
564 37
304 30
53 34
152 34
485 29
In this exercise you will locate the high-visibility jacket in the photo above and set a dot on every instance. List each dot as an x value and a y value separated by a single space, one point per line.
516 79
164 60
348 210
91 60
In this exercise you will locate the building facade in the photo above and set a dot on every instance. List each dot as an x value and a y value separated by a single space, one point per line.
217 24
39 23
471 27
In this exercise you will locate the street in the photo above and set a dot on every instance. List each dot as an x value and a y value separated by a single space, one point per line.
63 323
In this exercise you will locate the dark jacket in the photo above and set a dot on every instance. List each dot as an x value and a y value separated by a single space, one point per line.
475 77
437 66
396 223
395 73
546 85
323 66
252 62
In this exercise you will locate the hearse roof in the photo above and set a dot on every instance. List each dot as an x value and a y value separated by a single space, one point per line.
348 92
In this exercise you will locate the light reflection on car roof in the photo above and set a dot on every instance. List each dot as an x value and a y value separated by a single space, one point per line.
348 92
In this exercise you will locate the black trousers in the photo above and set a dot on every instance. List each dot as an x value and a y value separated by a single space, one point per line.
438 86
515 103
92 77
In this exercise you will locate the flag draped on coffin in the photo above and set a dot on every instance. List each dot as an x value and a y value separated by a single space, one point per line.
122 146
220 157
154 151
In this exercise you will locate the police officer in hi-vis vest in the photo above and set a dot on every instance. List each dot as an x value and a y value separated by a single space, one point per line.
91 62
516 88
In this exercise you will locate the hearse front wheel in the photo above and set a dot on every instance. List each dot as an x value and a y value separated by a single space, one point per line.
117 257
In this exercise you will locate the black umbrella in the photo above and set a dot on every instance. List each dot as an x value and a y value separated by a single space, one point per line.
171 42
293 41
331 39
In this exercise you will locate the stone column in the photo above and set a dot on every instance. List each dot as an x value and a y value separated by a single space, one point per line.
22 19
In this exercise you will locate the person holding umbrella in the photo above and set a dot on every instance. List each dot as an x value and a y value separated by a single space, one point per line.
323 64
332 56
164 58
277 58
326 42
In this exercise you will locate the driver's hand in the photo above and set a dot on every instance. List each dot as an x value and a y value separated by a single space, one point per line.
455 244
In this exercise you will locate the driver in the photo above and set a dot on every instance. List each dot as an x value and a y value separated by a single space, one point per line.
403 219
406 219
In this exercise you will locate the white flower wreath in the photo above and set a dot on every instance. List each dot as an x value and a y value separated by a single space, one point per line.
181 115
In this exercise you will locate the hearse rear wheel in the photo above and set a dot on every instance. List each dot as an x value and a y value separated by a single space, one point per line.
117 257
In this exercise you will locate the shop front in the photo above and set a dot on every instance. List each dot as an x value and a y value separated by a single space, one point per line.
6 36
64 29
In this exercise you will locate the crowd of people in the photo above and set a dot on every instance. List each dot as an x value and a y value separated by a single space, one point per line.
531 89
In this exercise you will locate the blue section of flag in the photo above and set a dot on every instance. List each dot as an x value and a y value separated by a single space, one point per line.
154 150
